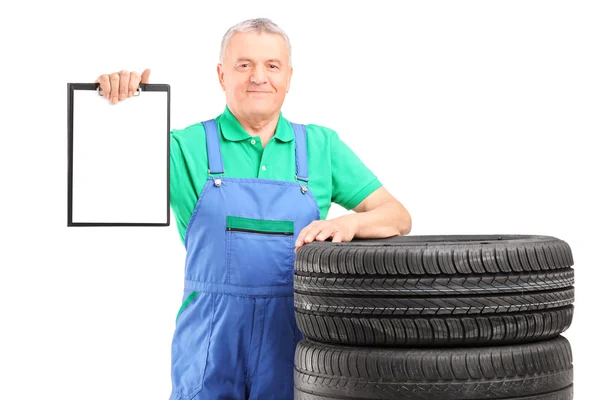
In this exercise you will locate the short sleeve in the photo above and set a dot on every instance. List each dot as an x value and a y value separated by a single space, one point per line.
175 164
352 180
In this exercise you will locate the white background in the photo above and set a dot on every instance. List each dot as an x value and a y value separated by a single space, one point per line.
478 116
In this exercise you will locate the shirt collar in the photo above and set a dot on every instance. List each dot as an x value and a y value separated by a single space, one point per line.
232 130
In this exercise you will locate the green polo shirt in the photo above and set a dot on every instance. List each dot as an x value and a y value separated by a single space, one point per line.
335 173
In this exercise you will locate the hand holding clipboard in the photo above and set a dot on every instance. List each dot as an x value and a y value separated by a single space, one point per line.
119 86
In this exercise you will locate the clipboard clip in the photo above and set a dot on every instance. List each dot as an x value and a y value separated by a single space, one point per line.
137 92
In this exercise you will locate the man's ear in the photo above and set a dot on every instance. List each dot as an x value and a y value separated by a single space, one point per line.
221 76
289 82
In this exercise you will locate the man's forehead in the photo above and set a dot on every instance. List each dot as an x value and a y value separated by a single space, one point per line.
250 58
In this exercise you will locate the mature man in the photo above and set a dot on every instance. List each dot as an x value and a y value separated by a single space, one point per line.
244 204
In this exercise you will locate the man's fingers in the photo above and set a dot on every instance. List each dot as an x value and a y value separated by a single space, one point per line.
114 88
104 82
123 84
301 235
118 86
325 233
146 76
320 235
337 237
134 83
311 232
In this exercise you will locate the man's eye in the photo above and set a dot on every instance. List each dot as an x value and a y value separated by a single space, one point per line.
272 66
244 65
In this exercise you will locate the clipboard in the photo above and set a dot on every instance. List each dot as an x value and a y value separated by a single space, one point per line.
118 157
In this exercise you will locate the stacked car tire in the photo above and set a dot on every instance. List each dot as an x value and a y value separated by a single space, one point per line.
434 317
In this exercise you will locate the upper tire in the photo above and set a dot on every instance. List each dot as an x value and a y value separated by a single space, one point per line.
435 290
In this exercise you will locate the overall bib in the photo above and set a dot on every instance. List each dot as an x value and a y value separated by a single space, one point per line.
235 334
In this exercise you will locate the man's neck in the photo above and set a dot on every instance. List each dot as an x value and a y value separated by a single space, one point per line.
263 126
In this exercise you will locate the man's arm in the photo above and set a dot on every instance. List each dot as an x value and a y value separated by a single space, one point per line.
380 215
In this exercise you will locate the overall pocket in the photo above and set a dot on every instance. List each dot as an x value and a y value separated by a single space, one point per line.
259 252
191 341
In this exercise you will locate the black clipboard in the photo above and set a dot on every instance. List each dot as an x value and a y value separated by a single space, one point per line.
108 184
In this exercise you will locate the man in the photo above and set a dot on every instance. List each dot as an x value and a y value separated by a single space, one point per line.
248 189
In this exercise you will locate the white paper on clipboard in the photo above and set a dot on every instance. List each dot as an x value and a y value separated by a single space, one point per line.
119 157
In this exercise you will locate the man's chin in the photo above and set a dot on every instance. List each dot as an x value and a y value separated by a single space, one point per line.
261 109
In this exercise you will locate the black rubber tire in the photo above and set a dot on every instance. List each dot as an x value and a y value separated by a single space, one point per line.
435 290
564 394
540 370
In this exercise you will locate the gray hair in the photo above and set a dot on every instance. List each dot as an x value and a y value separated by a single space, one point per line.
258 25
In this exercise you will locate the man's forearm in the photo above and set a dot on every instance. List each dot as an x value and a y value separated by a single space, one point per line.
389 219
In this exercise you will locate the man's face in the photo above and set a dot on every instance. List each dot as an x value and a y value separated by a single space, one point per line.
255 74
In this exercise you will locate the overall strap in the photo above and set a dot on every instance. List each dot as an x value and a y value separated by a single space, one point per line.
301 154
213 147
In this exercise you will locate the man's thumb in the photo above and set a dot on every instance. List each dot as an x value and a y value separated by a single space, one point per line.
145 75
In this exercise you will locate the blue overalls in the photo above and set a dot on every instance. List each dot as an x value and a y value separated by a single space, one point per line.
235 334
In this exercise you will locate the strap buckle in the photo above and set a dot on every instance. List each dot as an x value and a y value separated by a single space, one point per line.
218 174
298 178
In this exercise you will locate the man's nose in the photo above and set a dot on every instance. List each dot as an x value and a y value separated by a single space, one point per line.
259 75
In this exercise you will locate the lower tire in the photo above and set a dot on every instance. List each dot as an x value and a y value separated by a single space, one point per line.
534 371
